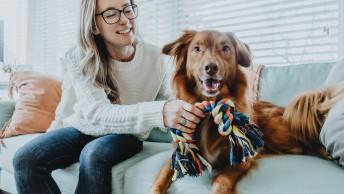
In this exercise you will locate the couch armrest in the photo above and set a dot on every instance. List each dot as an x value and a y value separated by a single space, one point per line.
6 111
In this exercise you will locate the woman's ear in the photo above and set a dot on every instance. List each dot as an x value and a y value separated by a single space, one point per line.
96 31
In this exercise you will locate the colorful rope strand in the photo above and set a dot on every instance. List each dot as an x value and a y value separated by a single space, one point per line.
244 136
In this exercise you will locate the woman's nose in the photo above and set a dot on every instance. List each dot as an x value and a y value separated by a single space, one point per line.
123 19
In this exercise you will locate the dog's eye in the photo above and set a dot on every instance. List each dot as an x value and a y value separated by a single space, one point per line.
225 48
197 49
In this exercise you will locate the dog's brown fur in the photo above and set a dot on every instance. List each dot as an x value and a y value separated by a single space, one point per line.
284 130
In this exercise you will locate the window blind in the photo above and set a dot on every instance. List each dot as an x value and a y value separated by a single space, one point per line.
279 32
1 41
51 32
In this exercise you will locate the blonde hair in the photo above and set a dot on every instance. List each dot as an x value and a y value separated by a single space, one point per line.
92 54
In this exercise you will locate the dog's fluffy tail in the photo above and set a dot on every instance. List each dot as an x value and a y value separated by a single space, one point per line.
306 113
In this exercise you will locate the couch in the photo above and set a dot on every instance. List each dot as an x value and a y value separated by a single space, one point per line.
283 174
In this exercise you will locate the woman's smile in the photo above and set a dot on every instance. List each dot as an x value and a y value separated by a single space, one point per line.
124 32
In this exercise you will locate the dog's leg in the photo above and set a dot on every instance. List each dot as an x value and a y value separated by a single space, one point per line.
225 182
163 180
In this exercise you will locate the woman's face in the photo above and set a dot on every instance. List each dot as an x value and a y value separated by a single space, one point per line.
119 34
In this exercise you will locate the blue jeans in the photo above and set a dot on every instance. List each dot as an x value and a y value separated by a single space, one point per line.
34 162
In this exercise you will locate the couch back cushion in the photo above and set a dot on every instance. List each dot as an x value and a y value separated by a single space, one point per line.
156 135
6 111
38 96
279 84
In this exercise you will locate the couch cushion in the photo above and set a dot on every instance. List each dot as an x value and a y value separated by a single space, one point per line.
157 135
11 145
6 111
279 84
306 174
7 182
67 178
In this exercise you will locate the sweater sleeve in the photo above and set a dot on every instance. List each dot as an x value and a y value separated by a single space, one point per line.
165 93
166 67
98 111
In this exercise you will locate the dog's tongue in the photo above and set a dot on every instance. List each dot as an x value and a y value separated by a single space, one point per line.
211 84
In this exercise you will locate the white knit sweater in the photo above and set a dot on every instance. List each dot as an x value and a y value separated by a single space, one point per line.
142 89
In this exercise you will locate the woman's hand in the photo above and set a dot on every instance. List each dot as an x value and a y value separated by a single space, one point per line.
181 115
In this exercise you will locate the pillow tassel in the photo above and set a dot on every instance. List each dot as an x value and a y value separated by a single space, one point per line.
2 133
10 86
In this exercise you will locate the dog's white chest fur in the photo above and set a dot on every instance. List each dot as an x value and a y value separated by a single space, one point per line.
212 158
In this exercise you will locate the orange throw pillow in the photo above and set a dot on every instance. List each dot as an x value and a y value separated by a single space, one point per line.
38 97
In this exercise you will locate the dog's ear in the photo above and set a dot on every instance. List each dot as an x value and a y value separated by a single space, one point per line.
178 50
245 54
176 47
242 50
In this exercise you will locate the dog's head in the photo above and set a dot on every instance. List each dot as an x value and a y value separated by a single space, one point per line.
207 64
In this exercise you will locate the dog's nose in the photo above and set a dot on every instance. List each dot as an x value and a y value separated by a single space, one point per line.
211 68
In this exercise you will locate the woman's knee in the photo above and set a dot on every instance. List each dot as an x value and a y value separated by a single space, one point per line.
91 154
110 150
23 159
40 150
96 153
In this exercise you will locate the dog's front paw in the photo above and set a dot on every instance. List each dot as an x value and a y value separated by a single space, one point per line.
155 190
223 189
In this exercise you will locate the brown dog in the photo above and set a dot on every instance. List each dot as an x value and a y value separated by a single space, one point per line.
210 66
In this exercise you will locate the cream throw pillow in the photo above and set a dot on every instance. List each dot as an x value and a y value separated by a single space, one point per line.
38 97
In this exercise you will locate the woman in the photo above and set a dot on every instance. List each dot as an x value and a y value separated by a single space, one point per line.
116 78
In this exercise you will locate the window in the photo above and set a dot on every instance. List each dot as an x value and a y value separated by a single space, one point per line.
8 34
51 31
36 33
1 41
279 32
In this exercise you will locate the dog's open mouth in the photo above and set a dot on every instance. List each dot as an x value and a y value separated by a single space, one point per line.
210 87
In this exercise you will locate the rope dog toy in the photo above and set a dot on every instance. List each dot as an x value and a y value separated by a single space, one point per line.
244 135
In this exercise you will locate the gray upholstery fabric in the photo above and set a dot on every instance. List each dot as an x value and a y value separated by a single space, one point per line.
6 111
284 174
279 84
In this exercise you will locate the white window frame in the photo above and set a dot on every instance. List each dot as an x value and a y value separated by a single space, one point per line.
341 28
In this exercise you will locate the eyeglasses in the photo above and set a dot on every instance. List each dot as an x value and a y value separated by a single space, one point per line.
112 16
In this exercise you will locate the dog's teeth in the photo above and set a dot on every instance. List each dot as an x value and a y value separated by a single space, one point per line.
205 85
